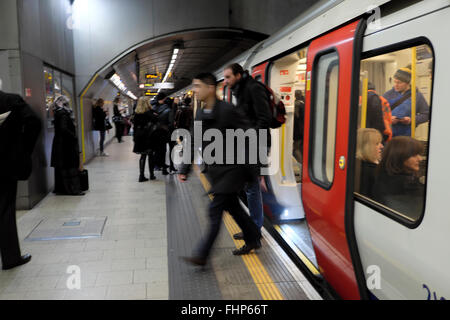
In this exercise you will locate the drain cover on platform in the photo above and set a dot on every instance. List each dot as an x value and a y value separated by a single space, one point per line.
59 229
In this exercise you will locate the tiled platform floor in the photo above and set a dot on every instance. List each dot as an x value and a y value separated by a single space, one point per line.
128 262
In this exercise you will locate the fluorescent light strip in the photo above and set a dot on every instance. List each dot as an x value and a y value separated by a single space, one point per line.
121 86
171 65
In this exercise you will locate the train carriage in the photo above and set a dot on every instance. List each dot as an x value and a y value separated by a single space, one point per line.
364 248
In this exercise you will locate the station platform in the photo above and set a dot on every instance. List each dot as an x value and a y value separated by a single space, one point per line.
125 240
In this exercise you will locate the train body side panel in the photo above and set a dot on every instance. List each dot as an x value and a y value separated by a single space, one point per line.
325 209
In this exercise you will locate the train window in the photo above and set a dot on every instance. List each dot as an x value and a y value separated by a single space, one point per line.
287 80
324 116
393 126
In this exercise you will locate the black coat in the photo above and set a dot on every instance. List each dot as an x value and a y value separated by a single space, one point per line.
365 173
225 178
253 98
18 136
374 113
401 192
98 117
65 149
145 127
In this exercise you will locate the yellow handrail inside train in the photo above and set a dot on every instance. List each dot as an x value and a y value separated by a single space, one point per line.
413 92
365 88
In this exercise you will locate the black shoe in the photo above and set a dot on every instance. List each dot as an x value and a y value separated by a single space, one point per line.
247 248
24 259
198 261
152 177
165 172
239 236
173 170
142 179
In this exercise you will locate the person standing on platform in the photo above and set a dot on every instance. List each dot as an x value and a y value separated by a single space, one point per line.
65 150
119 121
19 131
163 110
253 99
227 180
99 116
145 123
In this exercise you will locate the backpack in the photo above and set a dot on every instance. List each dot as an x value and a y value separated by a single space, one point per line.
183 118
277 108
387 116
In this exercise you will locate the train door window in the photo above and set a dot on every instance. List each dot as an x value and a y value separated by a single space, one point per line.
393 126
324 116
220 90
287 80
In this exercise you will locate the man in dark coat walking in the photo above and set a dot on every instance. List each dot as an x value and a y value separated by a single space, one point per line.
19 130
227 180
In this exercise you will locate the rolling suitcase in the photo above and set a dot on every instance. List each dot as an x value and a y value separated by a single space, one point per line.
84 180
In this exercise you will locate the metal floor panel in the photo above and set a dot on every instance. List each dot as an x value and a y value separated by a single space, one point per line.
67 228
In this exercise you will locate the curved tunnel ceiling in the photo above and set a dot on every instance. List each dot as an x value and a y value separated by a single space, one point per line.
200 51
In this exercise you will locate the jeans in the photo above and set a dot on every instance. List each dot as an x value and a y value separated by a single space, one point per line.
229 202
255 203
102 140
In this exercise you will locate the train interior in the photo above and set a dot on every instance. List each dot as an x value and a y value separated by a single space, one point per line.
377 73
287 78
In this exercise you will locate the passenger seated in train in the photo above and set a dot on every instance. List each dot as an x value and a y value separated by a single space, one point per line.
397 184
399 98
368 155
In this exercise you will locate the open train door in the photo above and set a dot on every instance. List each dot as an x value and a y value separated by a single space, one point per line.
333 65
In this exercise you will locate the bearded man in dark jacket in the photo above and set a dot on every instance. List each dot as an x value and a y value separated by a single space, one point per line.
253 99
19 131
227 179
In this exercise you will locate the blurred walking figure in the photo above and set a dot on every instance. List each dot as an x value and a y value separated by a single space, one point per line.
227 180
99 117
65 150
145 141
19 131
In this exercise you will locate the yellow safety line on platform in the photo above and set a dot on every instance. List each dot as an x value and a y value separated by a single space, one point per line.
83 146
262 279
297 251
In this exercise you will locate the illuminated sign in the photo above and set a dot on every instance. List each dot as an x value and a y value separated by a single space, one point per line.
151 76
164 85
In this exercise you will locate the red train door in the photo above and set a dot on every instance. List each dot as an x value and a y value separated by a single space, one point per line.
259 72
332 61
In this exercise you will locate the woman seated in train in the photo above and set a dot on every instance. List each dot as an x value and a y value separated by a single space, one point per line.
397 183
368 155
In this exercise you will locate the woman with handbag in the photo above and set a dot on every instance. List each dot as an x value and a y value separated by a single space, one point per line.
100 123
65 150
145 124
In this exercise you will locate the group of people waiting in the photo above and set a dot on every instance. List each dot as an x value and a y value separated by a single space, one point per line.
154 121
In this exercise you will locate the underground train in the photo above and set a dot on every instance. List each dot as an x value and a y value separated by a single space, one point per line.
363 249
